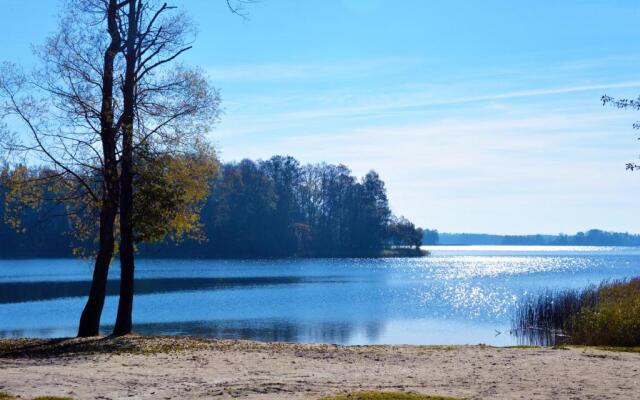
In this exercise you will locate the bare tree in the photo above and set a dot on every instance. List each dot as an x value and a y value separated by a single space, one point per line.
632 104
90 318
99 148
165 111
68 110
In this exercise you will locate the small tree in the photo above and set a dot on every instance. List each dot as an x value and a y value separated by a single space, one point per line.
402 232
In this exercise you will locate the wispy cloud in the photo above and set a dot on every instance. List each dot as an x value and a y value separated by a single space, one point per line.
271 111
544 157
277 72
454 151
550 91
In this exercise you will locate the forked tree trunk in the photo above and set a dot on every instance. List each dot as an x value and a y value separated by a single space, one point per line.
124 323
90 318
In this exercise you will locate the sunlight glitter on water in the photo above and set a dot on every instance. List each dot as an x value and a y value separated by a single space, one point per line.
460 267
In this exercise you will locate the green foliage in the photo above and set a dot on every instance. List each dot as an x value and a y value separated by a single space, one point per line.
402 232
169 194
277 208
6 396
375 395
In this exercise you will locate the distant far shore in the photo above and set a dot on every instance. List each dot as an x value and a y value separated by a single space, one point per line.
195 368
592 237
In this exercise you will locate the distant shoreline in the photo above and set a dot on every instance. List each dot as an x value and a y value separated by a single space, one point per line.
592 237
529 245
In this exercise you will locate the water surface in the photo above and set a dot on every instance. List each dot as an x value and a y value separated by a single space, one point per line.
458 295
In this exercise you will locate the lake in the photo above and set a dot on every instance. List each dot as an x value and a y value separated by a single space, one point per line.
458 295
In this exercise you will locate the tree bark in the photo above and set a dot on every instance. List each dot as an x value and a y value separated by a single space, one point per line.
90 318
124 323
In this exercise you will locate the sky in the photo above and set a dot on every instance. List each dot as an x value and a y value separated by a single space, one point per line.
480 116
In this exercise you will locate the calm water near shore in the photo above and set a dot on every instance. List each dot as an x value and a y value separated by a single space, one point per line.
458 295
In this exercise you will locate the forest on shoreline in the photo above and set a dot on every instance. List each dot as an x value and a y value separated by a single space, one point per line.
272 208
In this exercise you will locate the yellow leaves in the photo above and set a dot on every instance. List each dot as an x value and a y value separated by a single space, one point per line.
23 191
35 195
169 194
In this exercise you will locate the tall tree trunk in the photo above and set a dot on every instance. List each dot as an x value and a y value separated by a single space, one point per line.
124 323
90 318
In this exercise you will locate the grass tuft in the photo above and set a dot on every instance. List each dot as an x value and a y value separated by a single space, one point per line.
631 349
6 396
131 344
375 395
52 398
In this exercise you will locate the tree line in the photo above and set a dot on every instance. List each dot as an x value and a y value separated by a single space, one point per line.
268 208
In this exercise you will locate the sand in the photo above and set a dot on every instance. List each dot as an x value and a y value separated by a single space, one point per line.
187 368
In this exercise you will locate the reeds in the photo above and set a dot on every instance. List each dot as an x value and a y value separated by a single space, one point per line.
608 314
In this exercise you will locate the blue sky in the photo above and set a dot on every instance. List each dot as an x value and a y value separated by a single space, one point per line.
481 116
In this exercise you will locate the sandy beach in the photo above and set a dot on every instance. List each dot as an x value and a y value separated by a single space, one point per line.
187 368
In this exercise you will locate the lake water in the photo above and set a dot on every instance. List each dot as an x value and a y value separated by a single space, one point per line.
458 295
